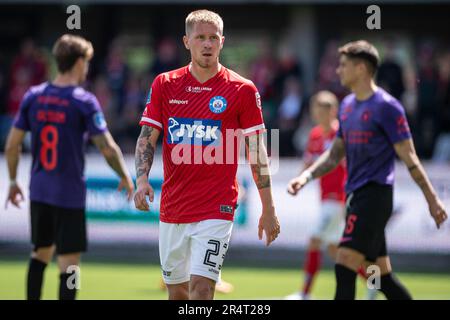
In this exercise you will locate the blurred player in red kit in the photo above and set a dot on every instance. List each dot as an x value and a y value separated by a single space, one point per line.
324 108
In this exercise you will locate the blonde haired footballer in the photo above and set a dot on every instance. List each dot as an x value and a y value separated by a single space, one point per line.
194 108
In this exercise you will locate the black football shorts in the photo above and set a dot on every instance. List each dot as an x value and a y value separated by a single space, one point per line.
368 211
66 228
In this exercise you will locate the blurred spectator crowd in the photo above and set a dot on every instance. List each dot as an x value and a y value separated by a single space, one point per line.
421 83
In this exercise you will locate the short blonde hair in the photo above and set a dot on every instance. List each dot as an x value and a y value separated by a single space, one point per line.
325 98
203 16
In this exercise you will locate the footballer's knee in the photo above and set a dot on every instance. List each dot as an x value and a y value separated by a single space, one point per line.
349 258
44 254
332 251
384 263
68 260
178 291
201 288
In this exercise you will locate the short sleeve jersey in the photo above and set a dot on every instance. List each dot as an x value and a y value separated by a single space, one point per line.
370 128
60 120
201 125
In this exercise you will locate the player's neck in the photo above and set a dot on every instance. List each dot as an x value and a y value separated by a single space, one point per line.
326 127
363 90
65 80
204 74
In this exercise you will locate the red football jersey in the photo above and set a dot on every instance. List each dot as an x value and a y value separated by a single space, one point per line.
200 145
332 185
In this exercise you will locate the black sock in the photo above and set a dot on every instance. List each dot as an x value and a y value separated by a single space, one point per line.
35 278
67 291
393 289
345 283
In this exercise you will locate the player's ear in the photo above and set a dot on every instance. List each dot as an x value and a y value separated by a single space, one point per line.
79 64
361 67
186 42
221 42
333 112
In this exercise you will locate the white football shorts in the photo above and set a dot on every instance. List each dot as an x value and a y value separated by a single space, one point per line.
331 222
197 248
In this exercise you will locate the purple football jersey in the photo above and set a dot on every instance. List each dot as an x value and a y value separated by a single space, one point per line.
370 128
60 120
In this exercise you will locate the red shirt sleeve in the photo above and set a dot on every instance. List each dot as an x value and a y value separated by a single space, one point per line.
152 115
250 116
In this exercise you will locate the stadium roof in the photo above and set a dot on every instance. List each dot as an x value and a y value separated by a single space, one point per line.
221 2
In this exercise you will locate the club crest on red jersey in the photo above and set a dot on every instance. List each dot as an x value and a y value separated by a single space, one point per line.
217 104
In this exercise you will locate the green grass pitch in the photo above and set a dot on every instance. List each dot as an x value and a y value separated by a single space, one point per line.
128 281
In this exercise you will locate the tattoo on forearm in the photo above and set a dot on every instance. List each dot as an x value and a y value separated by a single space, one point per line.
329 160
144 152
260 170
420 178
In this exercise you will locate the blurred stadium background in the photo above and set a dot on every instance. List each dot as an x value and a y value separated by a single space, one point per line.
288 49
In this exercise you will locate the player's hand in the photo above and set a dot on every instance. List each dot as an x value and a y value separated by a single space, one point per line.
438 213
268 223
127 184
143 189
299 182
15 196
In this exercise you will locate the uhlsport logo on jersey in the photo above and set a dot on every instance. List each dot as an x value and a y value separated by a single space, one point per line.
197 132
217 104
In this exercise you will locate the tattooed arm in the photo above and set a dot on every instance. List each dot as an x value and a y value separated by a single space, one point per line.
145 150
114 157
407 153
326 163
259 162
